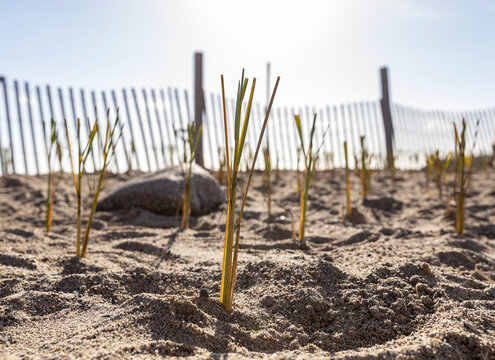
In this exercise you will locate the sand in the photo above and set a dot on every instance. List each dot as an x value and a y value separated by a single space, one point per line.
395 282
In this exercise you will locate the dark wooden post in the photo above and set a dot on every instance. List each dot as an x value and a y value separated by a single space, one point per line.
387 116
199 103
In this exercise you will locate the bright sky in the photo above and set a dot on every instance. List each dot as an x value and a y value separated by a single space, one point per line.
440 52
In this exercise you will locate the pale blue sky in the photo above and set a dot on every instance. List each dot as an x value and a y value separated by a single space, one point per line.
441 53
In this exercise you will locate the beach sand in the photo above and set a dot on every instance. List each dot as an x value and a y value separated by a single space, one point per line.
394 282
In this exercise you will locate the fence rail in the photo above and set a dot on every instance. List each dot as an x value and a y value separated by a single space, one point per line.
154 119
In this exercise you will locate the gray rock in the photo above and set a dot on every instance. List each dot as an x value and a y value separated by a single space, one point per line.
161 192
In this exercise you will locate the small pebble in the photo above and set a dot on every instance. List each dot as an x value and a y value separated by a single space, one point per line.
203 293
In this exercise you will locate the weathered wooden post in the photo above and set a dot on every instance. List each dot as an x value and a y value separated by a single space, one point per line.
387 117
199 103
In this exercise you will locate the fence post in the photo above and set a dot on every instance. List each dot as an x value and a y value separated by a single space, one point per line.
199 103
387 116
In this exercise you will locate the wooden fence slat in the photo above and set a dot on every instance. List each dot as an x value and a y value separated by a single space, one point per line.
283 139
131 130
42 119
208 127
490 114
141 127
21 127
87 125
214 124
289 146
173 124
367 122
31 123
148 117
168 126
7 113
115 158
375 149
122 133
259 120
160 129
345 131
98 123
338 153
484 122
276 141
491 124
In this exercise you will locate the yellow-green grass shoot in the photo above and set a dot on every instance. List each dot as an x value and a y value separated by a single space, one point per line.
54 150
231 245
364 173
193 147
460 188
298 177
221 167
347 183
430 160
268 170
108 151
310 160
267 177
440 170
77 174
446 165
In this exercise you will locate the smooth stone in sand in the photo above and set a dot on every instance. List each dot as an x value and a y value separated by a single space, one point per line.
161 192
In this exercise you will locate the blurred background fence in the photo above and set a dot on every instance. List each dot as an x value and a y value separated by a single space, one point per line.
154 119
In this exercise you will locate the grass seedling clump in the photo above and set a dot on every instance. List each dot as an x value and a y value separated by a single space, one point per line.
430 160
221 167
365 171
310 159
192 142
77 174
107 155
268 171
347 183
54 150
231 245
460 177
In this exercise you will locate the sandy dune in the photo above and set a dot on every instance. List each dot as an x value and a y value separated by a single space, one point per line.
396 282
